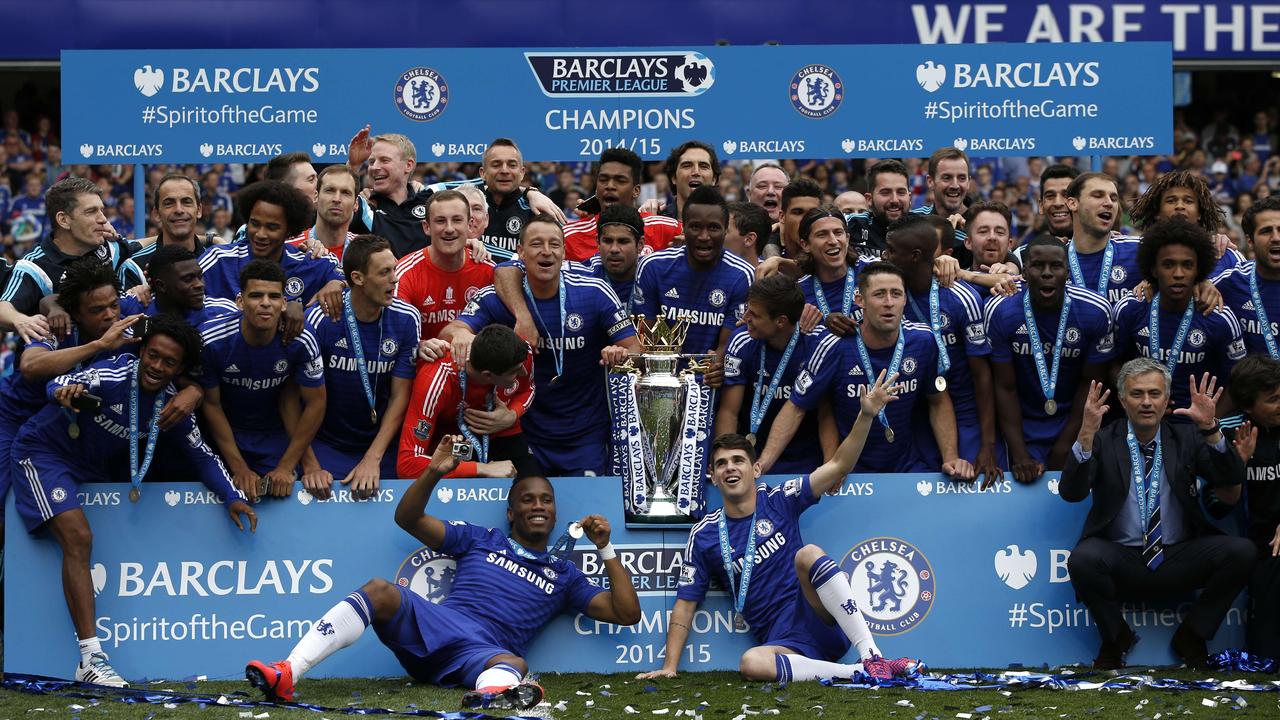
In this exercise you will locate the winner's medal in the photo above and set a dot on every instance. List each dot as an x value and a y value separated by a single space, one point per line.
73 429
940 383
751 438
134 494
1050 406
739 622
888 434
1048 375
892 370
575 530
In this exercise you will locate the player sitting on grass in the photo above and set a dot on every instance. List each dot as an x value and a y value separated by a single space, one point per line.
795 597
507 588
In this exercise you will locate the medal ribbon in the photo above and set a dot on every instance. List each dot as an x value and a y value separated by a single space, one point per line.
738 588
480 443
1104 277
357 349
760 402
1048 377
935 323
136 473
1153 333
557 353
1264 325
871 372
846 302
1148 493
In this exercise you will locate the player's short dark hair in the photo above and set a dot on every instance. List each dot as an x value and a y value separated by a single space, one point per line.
165 257
946 232
707 195
261 269
502 142
1252 377
624 156
733 441
178 330
279 167
446 196
1042 240
990 206
800 187
64 196
917 230
1146 209
298 213
497 349
355 258
886 167
880 267
84 274
515 483
621 214
945 153
1077 186
1249 223
1057 171
751 218
673 160
339 169
821 212
1175 231
540 218
174 177
779 294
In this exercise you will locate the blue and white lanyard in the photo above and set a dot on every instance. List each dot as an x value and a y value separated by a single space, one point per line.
1148 494
738 588
1264 324
1104 276
136 473
556 352
481 443
1048 377
846 302
935 323
1153 333
760 402
892 370
357 349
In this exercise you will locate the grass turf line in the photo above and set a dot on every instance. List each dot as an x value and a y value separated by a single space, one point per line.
723 693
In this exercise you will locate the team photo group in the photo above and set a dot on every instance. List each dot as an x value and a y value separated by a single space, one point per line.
366 323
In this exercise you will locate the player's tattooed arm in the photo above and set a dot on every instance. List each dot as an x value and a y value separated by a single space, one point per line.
677 633
411 512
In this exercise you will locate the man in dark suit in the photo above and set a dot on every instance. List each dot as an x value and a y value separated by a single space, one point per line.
1145 536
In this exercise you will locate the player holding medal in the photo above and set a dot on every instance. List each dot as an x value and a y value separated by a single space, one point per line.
798 602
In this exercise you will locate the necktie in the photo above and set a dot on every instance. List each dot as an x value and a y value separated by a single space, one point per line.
1153 547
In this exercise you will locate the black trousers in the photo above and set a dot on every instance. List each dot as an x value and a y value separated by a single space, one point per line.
1105 573
1264 615
516 449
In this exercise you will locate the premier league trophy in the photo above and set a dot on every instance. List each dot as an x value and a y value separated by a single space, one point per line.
662 419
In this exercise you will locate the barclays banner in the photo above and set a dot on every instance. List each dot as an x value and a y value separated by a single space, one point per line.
959 577
164 106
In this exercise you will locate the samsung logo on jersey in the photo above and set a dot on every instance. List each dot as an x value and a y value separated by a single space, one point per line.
1026 75
635 74
245 80
521 571
1268 473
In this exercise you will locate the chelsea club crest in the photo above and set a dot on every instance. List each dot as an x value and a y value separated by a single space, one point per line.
892 582
428 573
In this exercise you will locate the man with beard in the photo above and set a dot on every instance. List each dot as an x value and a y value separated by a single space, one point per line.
889 196
948 186
617 183
690 166
1048 342
988 239
1252 289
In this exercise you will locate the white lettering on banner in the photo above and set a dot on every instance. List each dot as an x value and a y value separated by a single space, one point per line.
225 577
1058 566
246 80
88 499
1024 75
624 119
654 622
1042 616
199 628
1213 26
944 487
608 67
228 115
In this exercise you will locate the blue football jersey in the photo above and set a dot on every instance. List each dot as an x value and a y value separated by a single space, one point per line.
1213 343
835 371
1124 269
250 377
304 275
742 367
1233 283
1089 339
21 398
573 410
594 266
709 300
511 593
213 308
390 345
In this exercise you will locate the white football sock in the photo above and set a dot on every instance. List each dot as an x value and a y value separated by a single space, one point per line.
340 627
88 647
832 586
500 675
797 668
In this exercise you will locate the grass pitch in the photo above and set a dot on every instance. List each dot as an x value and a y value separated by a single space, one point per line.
718 695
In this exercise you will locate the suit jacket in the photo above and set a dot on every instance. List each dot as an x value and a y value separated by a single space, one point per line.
1106 474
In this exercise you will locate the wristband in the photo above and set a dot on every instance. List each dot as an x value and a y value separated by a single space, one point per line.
607 553
1209 432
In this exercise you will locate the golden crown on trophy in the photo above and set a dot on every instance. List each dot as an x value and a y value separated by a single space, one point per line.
661 336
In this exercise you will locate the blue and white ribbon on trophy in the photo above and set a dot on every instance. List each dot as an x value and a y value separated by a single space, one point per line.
694 443
630 453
